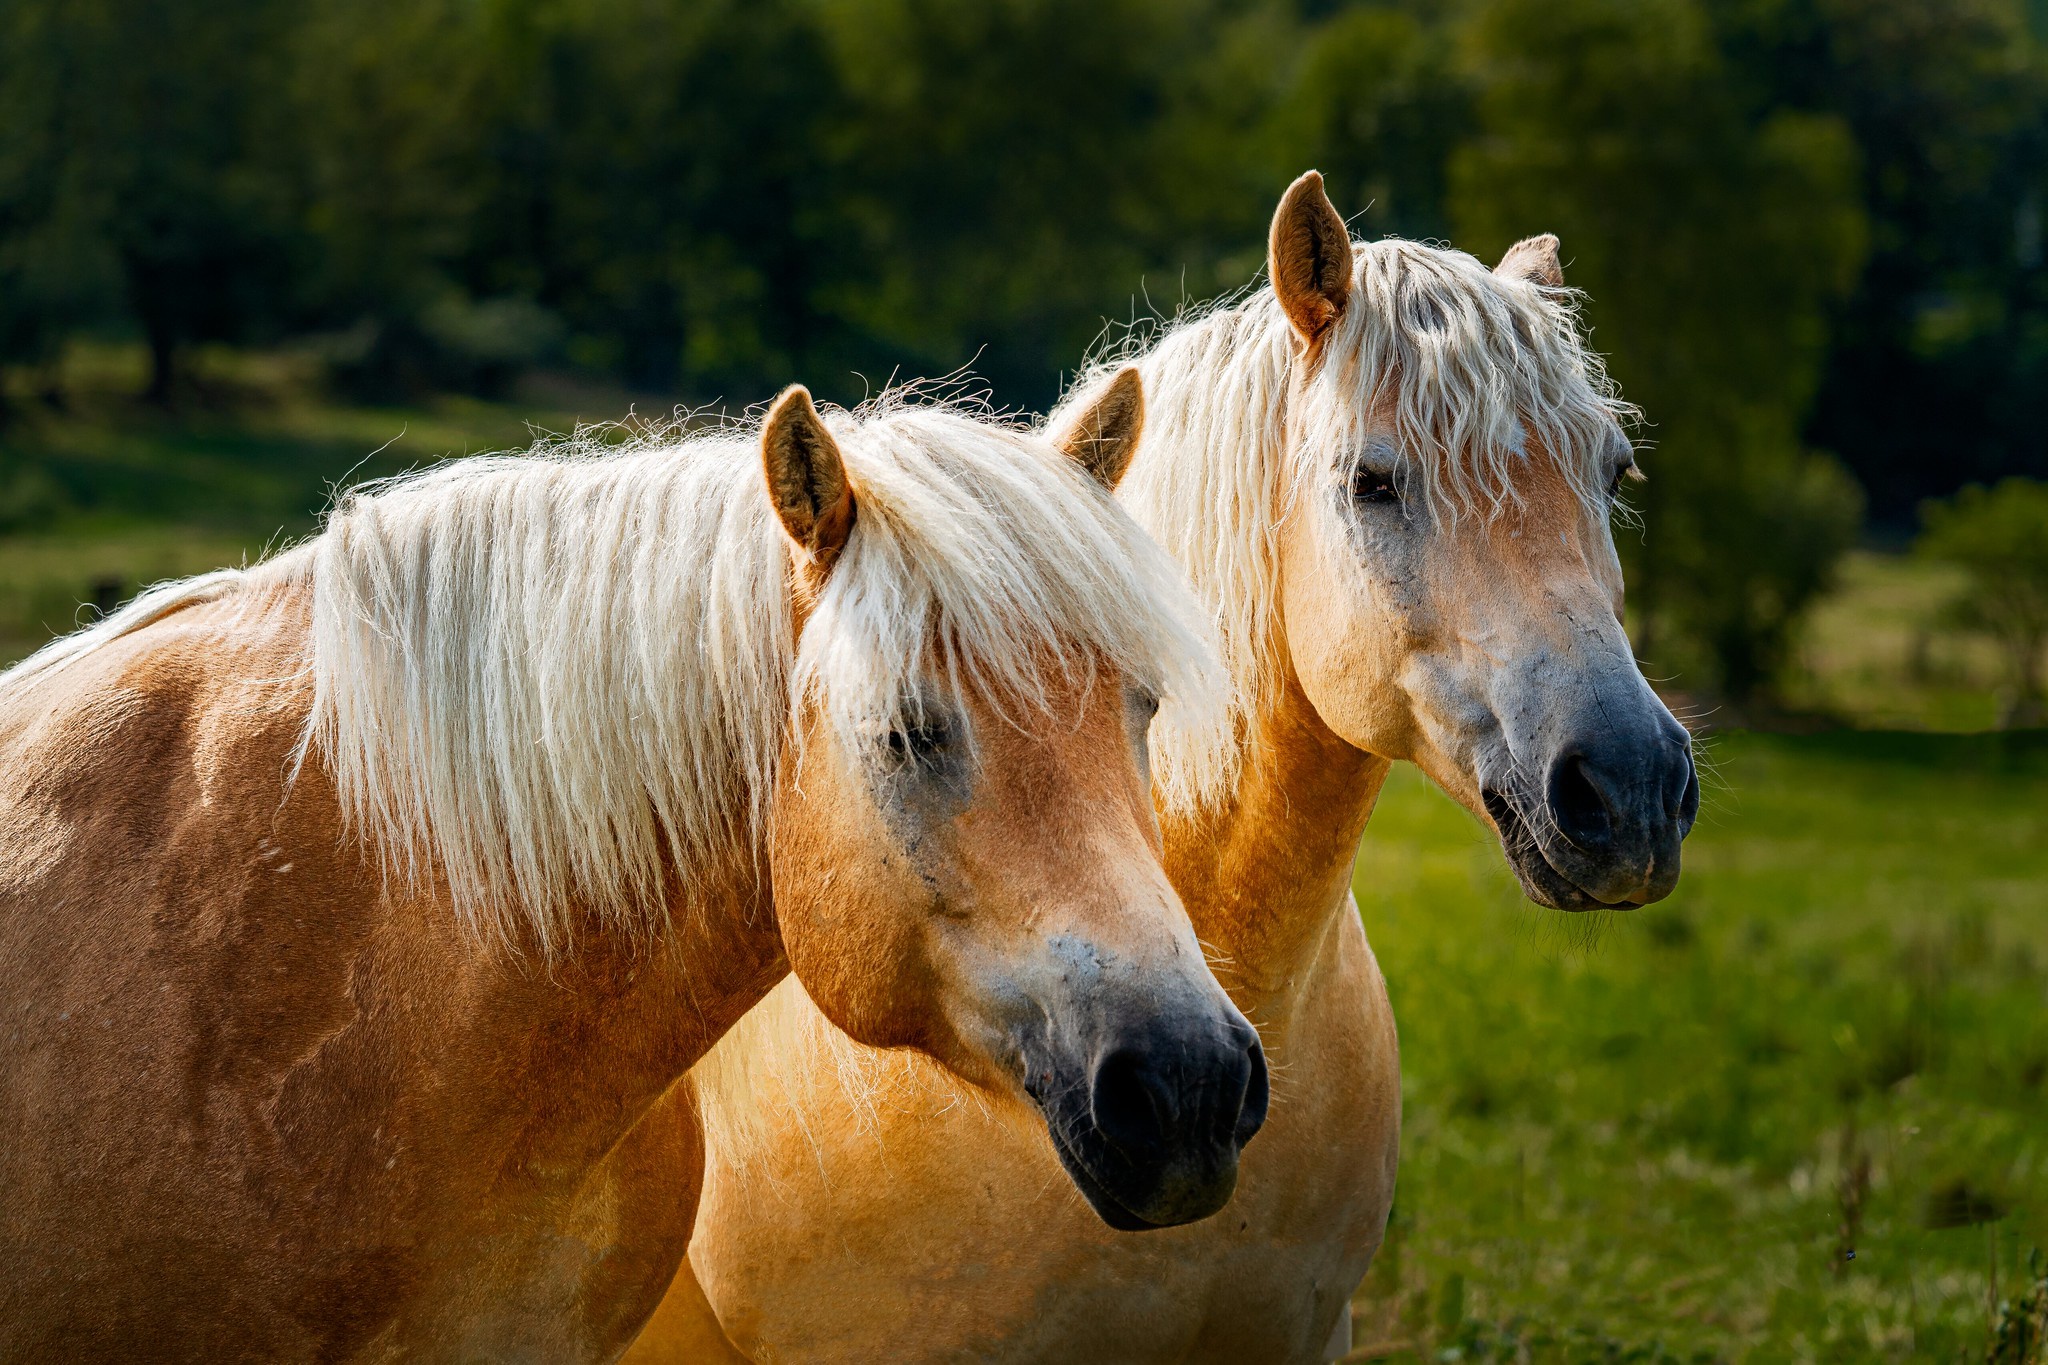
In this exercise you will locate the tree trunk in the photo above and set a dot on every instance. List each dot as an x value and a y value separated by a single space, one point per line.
2028 707
163 366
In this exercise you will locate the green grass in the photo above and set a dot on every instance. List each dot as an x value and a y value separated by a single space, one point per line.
1627 1139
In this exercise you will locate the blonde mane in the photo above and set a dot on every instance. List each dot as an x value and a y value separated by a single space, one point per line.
1458 371
549 678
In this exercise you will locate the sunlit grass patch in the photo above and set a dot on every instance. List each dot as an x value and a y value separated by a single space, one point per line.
1877 650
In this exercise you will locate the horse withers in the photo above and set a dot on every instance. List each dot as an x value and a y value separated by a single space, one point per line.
1390 475
359 910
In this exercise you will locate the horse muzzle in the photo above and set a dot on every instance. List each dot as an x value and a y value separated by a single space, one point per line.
1149 1123
1603 826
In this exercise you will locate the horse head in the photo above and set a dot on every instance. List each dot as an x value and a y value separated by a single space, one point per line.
964 853
1448 588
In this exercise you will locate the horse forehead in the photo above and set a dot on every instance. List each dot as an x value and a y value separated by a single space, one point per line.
1542 538
1546 496
1077 727
1058 776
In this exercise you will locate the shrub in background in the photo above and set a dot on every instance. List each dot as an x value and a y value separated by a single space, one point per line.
1999 538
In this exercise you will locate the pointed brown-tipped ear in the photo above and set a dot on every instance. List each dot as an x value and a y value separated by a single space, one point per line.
1309 257
806 476
1533 259
1103 436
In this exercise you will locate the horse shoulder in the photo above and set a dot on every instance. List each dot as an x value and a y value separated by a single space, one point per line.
169 953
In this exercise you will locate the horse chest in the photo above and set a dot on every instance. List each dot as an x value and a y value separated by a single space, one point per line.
806 1254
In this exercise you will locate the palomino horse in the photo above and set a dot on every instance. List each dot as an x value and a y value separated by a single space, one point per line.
1390 475
355 909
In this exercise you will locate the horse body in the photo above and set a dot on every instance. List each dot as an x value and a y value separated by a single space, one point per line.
177 916
275 1094
1390 478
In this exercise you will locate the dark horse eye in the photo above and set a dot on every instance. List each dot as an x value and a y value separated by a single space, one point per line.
917 743
1371 486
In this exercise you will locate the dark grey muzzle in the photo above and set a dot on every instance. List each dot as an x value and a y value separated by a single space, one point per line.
1149 1115
1603 823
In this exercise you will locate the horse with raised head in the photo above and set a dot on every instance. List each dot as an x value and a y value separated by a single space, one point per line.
1390 476
359 910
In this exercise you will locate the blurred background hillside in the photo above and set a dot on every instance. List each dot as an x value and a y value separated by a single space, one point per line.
252 250
1812 234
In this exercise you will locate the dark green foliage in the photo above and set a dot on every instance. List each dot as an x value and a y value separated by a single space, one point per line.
1805 225
1939 365
144 171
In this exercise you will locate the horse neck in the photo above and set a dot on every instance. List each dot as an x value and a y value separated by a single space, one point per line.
721 955
1264 874
618 1013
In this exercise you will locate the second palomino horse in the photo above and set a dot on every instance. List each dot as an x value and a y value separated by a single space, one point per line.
357 910
1390 476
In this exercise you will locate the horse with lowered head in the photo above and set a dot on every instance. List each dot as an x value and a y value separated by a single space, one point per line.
1390 476
358 909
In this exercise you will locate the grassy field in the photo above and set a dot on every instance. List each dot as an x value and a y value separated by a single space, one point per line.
1653 1137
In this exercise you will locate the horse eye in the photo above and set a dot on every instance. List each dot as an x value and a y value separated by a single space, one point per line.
1621 473
917 743
1371 486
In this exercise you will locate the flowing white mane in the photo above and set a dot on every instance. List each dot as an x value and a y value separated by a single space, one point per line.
537 675
1458 373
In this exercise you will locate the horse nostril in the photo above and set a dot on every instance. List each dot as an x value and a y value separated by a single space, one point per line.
1578 804
1130 1107
1251 1114
1688 799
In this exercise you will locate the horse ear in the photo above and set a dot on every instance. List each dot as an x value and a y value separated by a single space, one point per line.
1533 259
1309 257
806 476
1103 437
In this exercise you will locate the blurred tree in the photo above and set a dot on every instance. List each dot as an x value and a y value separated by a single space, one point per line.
1377 103
56 276
143 146
1711 241
386 95
1013 168
653 179
1999 538
1938 373
662 176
